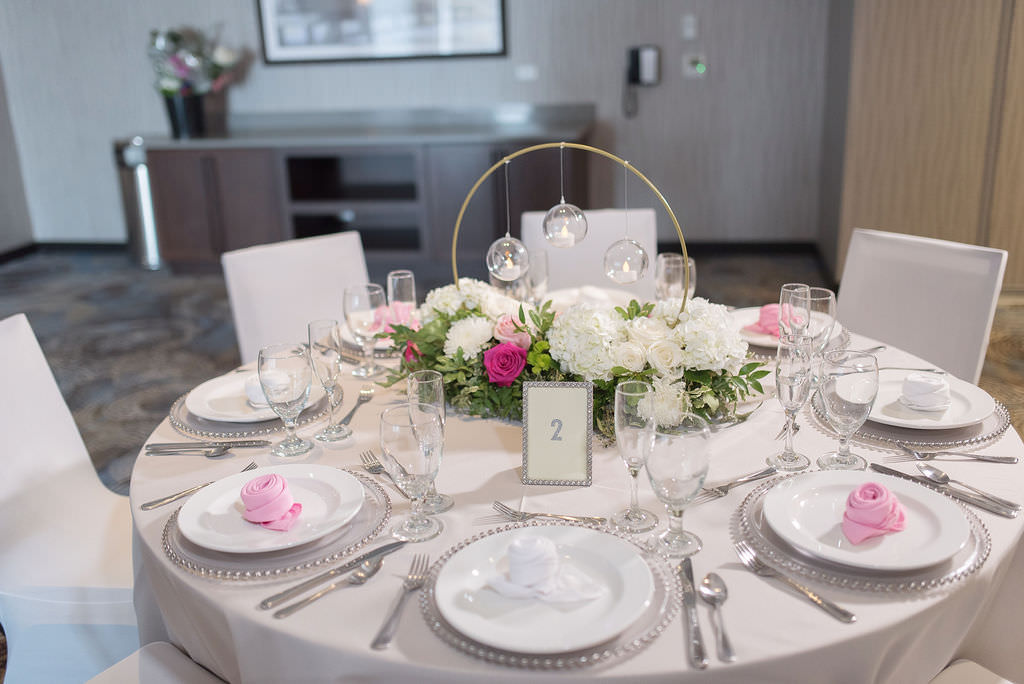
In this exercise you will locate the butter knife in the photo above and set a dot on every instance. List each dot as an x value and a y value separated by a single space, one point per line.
289 594
721 488
695 646
966 497
233 444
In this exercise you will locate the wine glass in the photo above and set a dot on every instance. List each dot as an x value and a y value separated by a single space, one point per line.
325 358
285 376
364 312
849 384
793 313
427 387
669 276
634 435
677 467
793 384
402 296
411 443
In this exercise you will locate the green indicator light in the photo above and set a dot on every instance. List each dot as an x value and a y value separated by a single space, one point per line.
700 68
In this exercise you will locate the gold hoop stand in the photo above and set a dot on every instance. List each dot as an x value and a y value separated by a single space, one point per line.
585 148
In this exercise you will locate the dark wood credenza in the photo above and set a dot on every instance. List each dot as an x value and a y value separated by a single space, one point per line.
398 177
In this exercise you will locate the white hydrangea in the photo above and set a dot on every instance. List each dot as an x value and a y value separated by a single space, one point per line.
470 335
583 341
470 293
709 337
447 300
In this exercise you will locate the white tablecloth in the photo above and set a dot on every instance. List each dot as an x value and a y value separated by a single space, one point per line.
778 636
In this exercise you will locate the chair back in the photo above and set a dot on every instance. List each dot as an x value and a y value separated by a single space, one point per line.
276 289
933 298
583 263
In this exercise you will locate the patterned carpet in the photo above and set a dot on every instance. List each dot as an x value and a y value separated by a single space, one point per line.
124 343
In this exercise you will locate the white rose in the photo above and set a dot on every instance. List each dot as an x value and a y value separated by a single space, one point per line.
646 331
630 356
666 357
470 335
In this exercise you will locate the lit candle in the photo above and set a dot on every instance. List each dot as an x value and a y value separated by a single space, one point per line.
626 275
563 238
508 270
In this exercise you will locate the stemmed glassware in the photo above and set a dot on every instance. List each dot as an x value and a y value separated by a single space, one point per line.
401 296
793 384
285 376
427 387
634 436
411 443
325 358
849 385
820 303
794 314
669 275
538 276
677 467
364 311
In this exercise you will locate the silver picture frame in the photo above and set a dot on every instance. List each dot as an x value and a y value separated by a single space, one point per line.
558 433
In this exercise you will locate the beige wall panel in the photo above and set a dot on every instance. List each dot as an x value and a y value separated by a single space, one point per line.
1006 229
919 108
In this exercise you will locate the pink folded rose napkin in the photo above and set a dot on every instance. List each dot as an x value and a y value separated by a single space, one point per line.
767 321
268 502
872 510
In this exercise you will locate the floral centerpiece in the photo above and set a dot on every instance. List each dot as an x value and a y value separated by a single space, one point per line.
187 62
486 344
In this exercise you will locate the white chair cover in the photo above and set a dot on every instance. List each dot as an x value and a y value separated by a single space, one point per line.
156 663
583 264
933 298
275 290
968 672
65 568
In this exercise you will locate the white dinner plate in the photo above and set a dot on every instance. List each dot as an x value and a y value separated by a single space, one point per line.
750 315
531 625
212 518
349 339
588 294
224 399
969 404
806 511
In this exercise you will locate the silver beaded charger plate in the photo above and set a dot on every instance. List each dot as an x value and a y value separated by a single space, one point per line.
367 525
874 434
662 609
749 525
191 425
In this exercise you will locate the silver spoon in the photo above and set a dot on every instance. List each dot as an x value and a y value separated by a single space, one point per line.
939 476
361 574
365 394
712 590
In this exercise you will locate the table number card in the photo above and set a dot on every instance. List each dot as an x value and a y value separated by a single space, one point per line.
558 430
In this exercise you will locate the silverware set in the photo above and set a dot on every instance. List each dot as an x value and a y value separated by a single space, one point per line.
711 492
977 500
915 455
210 449
156 503
414 579
375 467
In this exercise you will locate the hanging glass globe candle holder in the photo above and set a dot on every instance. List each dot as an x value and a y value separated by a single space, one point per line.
508 259
564 224
625 261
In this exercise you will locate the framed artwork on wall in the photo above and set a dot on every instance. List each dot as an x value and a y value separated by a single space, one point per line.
347 30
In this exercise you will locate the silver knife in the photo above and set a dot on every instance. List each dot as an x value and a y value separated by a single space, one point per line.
721 488
695 646
234 444
966 497
289 594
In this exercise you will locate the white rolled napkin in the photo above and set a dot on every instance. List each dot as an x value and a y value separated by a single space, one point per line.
535 571
925 392
254 391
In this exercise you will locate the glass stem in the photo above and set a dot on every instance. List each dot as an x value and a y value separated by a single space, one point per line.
844 447
790 420
331 393
368 354
634 501
675 521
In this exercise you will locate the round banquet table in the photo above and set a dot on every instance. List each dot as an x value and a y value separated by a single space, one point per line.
778 635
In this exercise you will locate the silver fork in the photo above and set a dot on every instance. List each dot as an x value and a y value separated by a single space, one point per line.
520 516
711 493
156 503
374 467
365 395
749 558
413 580
914 455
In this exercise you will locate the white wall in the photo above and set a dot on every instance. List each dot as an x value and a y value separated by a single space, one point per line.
736 154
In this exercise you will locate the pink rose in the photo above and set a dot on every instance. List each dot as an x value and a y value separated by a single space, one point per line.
412 353
504 363
505 331
872 510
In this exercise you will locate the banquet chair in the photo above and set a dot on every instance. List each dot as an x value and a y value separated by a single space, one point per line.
65 569
933 298
276 289
156 663
583 263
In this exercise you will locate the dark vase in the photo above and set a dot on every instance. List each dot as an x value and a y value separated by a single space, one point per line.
186 115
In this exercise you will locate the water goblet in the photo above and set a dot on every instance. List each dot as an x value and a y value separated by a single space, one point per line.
793 384
793 313
634 436
401 297
849 384
669 276
427 387
411 443
325 358
677 468
364 307
285 376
